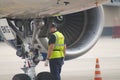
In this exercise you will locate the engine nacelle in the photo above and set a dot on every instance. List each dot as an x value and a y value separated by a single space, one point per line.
81 30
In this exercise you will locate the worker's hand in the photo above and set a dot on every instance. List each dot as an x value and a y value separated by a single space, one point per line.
46 62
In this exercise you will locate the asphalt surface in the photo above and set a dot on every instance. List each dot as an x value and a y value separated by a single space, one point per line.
107 50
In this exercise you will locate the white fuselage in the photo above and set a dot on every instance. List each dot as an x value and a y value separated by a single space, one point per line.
39 8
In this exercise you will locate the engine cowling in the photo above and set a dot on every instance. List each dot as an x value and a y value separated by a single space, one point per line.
81 30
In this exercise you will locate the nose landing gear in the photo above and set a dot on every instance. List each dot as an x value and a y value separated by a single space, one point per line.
29 51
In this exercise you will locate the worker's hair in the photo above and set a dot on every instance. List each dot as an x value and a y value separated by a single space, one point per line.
53 25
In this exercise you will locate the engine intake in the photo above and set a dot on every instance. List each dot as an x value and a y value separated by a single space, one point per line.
81 30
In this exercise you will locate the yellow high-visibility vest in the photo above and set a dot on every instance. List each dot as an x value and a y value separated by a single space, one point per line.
58 50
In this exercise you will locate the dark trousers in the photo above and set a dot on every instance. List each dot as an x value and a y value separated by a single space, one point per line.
55 67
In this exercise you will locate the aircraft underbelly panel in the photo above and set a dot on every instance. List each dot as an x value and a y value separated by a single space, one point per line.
38 8
5 30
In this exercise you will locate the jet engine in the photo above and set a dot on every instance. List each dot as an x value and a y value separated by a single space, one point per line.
81 30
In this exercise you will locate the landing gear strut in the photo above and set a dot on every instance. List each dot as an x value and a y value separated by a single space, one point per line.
29 49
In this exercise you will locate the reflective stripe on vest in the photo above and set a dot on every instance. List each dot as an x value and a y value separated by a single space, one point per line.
58 50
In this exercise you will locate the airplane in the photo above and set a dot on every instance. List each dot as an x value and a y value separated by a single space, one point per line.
24 24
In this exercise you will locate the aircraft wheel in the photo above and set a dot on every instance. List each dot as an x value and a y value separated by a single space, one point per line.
44 76
21 77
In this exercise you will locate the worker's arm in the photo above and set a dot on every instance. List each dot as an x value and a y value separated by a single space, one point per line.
51 46
50 49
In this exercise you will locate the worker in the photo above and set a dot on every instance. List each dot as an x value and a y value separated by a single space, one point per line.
56 52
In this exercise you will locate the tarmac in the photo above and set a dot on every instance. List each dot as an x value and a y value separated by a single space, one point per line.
107 50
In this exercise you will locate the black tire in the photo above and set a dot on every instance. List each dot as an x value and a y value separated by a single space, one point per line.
44 76
21 77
